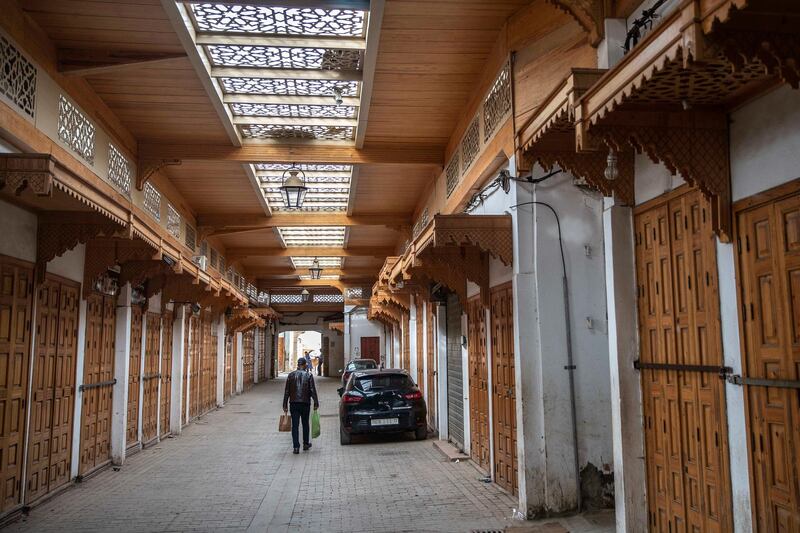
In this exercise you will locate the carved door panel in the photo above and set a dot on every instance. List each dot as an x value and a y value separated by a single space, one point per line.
134 376
248 357
52 393
151 377
194 368
16 303
685 420
478 383
432 370
98 385
212 370
370 348
406 341
503 388
262 350
228 363
166 371
420 346
769 271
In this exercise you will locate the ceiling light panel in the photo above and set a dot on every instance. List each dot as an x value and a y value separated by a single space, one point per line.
293 110
288 131
279 20
324 262
288 87
328 186
305 277
232 55
305 167
312 235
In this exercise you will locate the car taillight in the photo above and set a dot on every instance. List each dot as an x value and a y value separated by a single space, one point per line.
413 395
351 398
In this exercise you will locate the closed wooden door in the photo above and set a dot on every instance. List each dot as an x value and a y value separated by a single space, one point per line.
53 387
194 367
504 397
281 354
769 271
166 371
134 376
432 370
151 377
226 390
684 410
248 357
187 358
370 348
16 304
214 358
98 384
420 345
262 360
478 383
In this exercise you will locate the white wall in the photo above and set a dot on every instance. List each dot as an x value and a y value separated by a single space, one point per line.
361 326
19 232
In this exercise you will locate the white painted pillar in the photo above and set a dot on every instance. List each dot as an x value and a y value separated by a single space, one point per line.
348 342
623 349
441 365
161 370
412 339
397 335
80 359
490 386
425 369
257 353
734 394
122 349
220 325
239 363
176 401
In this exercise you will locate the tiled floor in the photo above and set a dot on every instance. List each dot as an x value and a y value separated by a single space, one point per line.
233 471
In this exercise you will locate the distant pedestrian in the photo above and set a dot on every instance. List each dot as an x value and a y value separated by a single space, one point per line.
307 356
297 396
319 364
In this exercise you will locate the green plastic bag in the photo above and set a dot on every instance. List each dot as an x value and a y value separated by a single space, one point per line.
315 424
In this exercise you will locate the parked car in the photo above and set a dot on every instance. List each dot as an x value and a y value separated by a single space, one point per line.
356 364
381 401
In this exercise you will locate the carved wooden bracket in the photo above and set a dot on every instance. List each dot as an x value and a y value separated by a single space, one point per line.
590 14
103 253
490 233
21 172
692 143
146 168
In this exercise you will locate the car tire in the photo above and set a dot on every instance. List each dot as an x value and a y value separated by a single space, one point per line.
421 433
344 437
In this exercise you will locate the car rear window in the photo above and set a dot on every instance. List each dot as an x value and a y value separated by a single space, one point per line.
361 365
383 382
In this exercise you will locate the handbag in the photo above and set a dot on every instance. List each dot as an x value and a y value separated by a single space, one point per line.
285 423
315 424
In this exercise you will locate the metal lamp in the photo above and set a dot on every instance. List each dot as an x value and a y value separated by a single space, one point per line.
315 270
305 295
293 190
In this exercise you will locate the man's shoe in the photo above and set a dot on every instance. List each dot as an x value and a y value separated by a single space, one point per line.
306 446
296 450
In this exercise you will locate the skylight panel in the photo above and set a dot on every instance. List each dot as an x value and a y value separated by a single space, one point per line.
279 20
312 235
306 167
232 55
305 277
294 110
324 262
289 131
288 87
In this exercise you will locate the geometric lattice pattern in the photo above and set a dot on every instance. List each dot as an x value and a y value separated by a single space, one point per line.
292 298
293 110
75 130
152 201
278 20
312 235
306 167
119 170
324 262
289 131
17 77
328 191
497 102
323 276
452 174
288 86
355 293
328 298
190 239
284 57
470 145
173 222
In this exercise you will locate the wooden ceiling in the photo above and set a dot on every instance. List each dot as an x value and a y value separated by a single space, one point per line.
430 56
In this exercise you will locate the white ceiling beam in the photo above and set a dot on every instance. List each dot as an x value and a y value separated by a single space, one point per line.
295 121
351 200
282 41
370 60
281 73
284 99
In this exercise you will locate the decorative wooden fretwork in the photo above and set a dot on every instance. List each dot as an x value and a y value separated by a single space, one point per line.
286 131
120 170
21 173
214 259
294 110
231 55
356 293
173 221
75 130
288 87
105 253
328 298
190 238
453 173
279 20
152 201
470 145
497 103
18 78
146 168
420 224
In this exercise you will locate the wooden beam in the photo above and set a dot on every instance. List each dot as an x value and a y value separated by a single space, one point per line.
286 99
74 62
309 251
297 153
357 5
266 272
284 41
266 284
278 73
234 220
296 121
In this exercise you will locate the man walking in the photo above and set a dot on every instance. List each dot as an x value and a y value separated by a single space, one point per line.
319 364
299 392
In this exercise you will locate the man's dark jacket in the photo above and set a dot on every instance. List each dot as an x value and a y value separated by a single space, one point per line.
300 388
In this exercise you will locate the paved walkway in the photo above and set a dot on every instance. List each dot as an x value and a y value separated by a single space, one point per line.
233 471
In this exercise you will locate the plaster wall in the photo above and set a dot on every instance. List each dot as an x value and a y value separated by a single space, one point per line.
361 326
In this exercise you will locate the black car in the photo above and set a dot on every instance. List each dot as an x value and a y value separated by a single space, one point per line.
356 364
381 401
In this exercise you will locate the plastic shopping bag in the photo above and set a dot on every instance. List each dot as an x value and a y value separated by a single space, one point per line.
315 424
285 423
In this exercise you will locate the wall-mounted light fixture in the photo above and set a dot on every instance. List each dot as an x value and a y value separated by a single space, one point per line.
293 190
612 170
305 295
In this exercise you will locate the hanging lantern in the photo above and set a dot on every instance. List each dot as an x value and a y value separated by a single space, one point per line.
305 295
315 270
293 190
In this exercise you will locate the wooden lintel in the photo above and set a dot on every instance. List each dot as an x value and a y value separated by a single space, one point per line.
289 271
73 62
297 153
